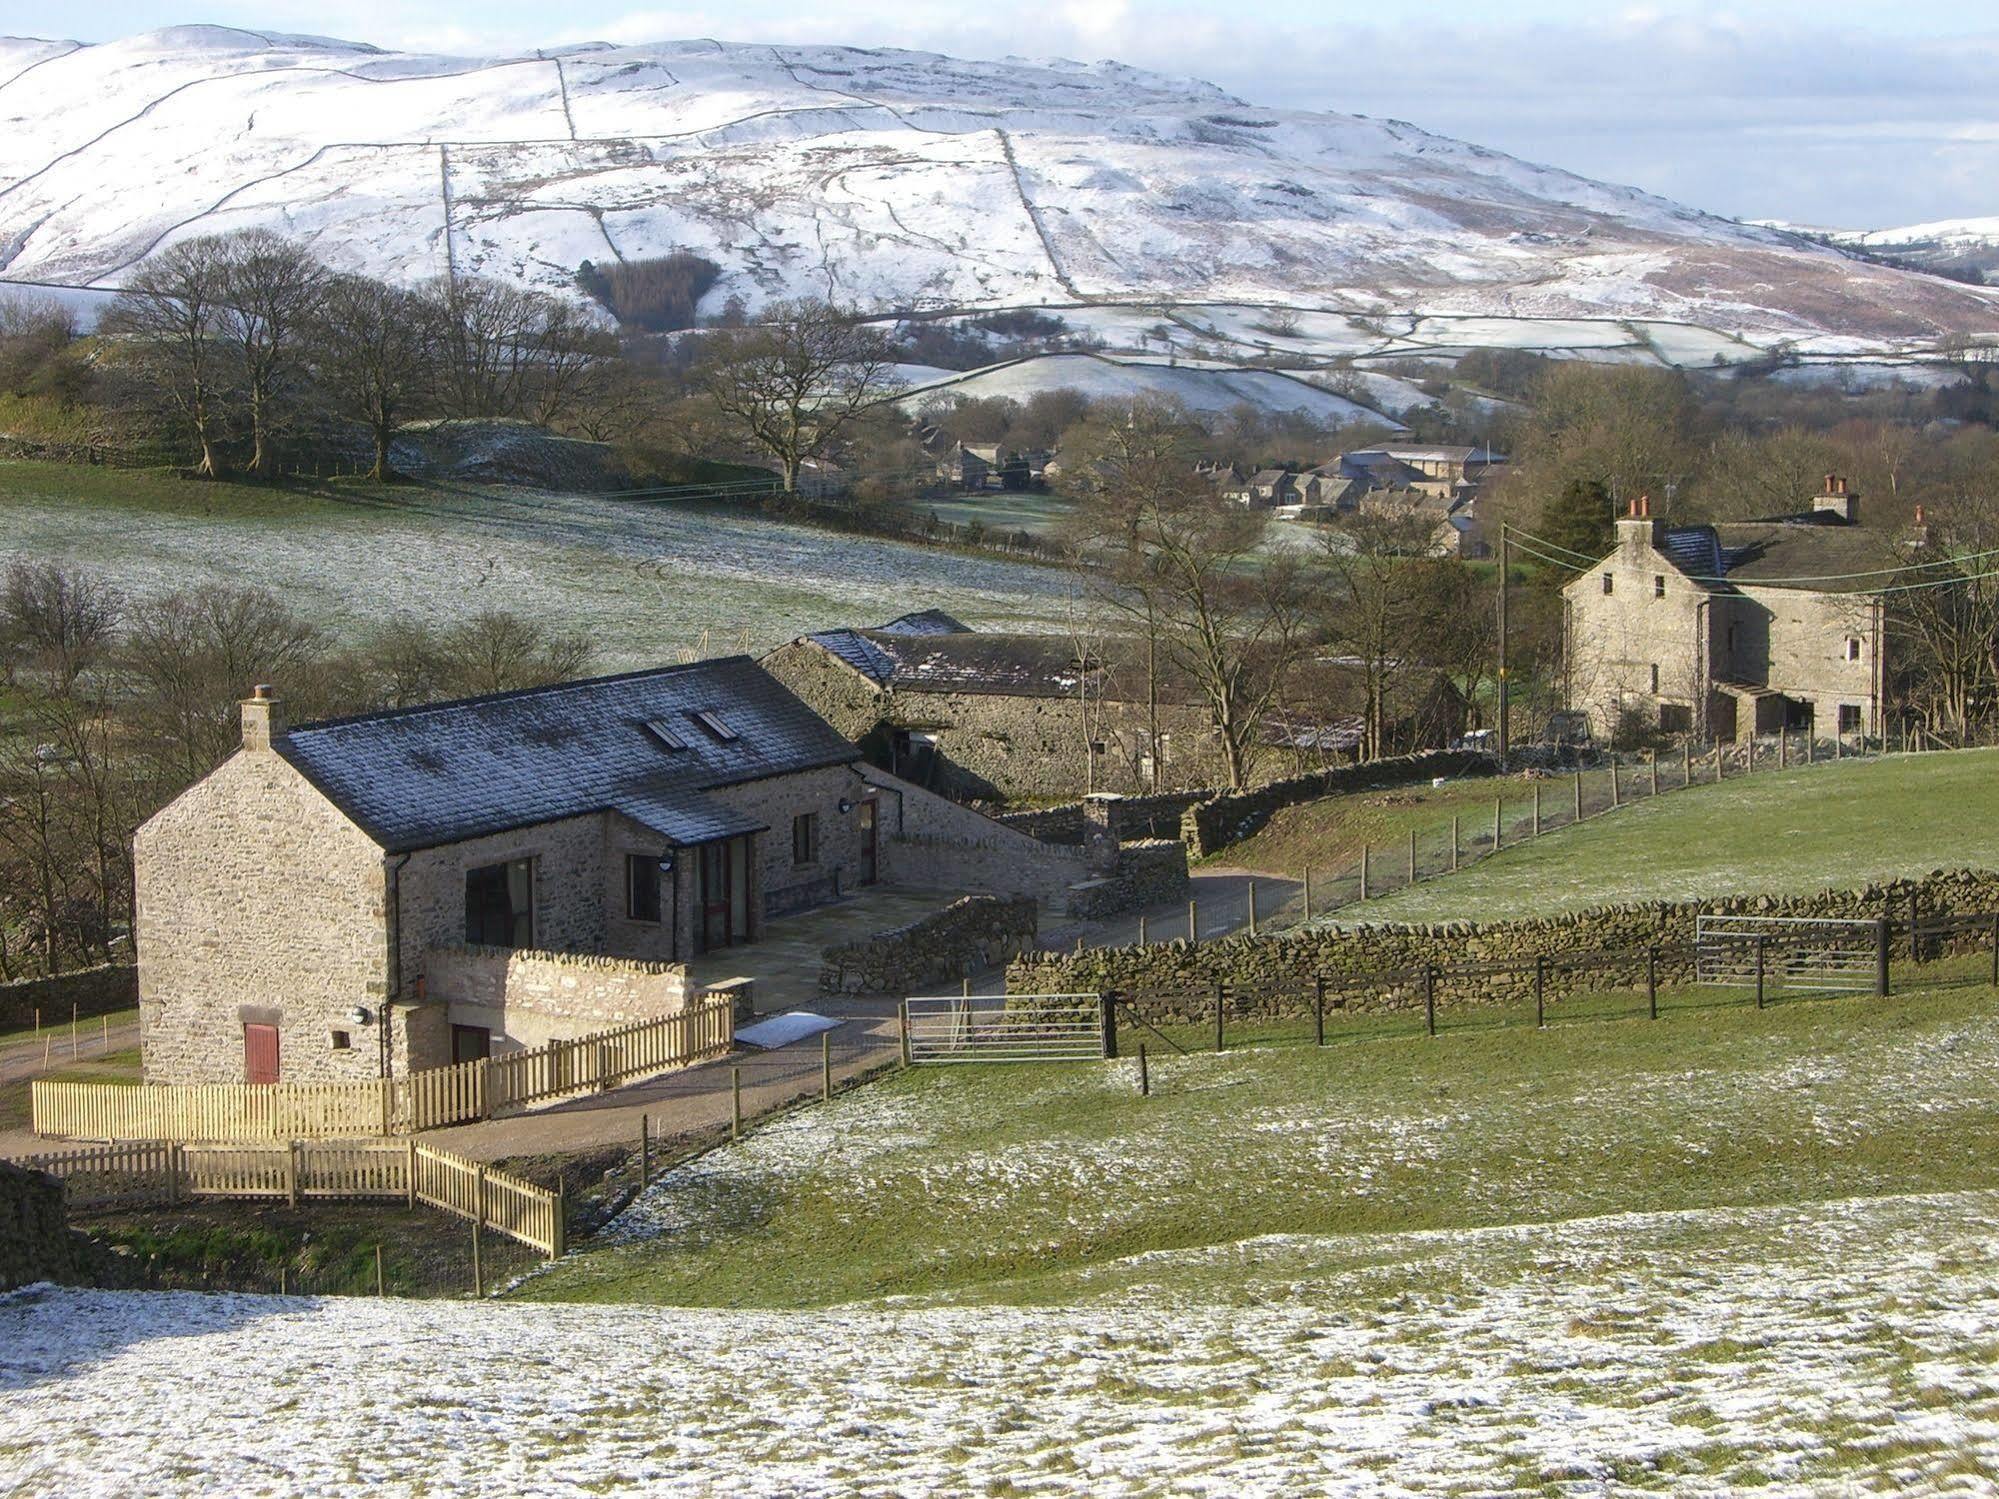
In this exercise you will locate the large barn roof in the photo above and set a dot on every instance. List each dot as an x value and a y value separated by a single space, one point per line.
648 744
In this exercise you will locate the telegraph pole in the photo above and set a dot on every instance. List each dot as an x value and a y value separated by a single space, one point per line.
1505 736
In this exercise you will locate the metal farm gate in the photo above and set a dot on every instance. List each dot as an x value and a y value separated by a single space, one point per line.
1003 1028
1798 953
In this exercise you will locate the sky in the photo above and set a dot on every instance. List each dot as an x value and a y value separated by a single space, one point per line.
1829 113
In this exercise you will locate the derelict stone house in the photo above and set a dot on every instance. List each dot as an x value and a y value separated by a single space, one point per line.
410 888
978 716
1696 630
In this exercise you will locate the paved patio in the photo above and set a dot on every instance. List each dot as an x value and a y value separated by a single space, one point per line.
785 959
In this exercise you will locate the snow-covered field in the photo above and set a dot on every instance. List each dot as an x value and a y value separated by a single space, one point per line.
643 580
1839 1348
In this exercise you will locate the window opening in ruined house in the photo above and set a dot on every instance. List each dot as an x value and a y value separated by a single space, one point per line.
665 733
1658 585
1606 582
712 722
499 904
1655 676
1849 718
1675 718
342 1041
1852 648
805 838
471 1043
641 887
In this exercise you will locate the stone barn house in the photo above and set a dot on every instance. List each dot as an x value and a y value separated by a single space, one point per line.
990 717
411 888
1732 630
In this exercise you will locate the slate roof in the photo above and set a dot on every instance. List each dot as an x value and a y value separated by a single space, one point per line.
926 622
1800 553
419 777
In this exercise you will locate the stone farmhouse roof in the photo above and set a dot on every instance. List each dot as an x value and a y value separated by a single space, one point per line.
967 661
1823 558
648 744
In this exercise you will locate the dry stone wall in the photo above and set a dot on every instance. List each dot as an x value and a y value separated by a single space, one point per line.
35 1241
1273 977
1214 824
528 998
1149 873
969 934
87 992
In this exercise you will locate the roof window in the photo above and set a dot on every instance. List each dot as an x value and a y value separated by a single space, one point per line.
712 722
665 733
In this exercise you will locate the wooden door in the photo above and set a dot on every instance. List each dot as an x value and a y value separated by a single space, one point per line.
870 848
717 906
260 1053
471 1043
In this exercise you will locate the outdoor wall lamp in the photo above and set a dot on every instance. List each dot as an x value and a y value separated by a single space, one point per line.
666 863
845 806
361 1015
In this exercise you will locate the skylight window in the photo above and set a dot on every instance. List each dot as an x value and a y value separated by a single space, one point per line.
665 733
712 722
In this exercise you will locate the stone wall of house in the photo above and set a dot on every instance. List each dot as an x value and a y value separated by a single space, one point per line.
572 883
788 886
1795 640
1274 976
1212 825
974 932
1616 639
84 993
257 901
853 705
1150 872
35 1241
528 998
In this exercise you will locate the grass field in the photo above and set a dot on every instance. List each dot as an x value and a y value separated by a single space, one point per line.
1798 830
1328 833
645 580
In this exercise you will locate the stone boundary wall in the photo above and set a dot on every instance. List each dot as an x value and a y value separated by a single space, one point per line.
35 1241
971 933
931 843
93 991
1149 873
1212 825
1273 977
1132 817
531 997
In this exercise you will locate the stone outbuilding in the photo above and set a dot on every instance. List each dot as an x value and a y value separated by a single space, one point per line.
428 885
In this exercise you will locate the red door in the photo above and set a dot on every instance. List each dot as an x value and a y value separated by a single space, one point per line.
260 1053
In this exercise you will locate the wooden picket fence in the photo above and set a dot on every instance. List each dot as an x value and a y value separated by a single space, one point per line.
112 1175
428 1099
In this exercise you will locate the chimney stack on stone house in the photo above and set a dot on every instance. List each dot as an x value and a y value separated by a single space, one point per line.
263 717
1638 527
1837 500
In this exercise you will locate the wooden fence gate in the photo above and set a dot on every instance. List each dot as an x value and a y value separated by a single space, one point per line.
1005 1028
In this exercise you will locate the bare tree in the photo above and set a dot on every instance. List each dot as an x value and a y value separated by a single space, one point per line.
372 352
170 314
793 384
497 651
270 291
1370 608
56 623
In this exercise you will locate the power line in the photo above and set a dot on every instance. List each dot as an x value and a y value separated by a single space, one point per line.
1520 537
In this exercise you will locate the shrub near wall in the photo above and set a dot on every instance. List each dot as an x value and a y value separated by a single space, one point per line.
1274 977
93 991
35 1241
1212 825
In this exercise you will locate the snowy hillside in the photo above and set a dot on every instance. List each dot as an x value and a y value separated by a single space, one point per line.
1966 244
897 180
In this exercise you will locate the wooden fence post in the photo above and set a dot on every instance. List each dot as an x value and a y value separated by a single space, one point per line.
1760 941
1412 856
176 1170
1613 782
561 1236
1319 1010
1652 982
826 1066
1540 992
904 1009
1720 764
1784 747
1454 843
1220 989
1430 998
735 1103
381 1288
1498 808
1193 924
291 1173
1107 1018
1252 908
1537 809
1579 796
1363 873
1995 952
1144 1076
1881 954
645 1150
1308 892
1686 763
1652 765
1141 928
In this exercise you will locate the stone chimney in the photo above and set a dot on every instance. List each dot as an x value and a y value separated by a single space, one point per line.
1638 527
1837 500
263 716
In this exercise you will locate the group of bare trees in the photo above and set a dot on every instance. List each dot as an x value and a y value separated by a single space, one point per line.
117 704
1262 635
247 338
